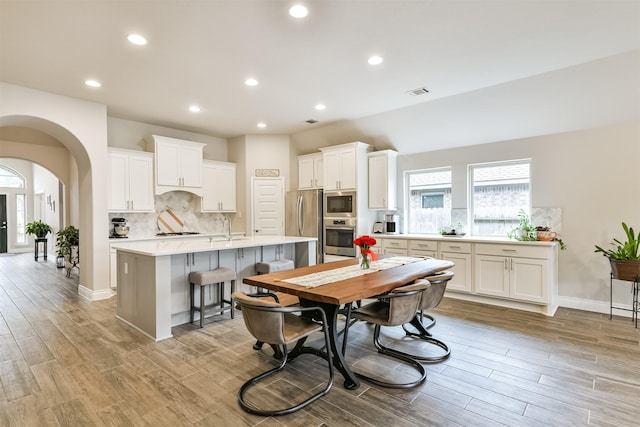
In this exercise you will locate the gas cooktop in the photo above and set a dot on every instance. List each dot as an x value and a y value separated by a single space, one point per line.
178 233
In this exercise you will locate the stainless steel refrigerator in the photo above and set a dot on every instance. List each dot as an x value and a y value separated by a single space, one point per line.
304 217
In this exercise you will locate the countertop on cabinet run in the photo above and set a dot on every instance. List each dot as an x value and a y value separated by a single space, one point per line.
465 238
170 246
175 237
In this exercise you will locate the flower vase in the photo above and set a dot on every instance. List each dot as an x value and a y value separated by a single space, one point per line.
365 261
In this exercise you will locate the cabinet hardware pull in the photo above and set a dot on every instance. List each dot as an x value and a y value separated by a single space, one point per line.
509 250
454 247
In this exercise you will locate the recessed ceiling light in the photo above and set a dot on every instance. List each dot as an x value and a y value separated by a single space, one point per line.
375 60
262 125
251 82
320 107
194 109
137 39
298 11
92 83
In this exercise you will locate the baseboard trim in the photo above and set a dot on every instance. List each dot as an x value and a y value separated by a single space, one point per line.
594 306
91 295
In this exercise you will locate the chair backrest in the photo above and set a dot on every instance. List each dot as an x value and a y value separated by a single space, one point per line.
262 318
434 293
404 303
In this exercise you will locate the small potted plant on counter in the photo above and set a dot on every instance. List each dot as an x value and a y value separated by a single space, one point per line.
625 256
38 228
525 231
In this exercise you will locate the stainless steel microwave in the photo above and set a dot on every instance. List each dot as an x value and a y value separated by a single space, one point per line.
340 204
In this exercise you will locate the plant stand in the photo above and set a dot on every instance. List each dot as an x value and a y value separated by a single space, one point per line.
635 304
37 241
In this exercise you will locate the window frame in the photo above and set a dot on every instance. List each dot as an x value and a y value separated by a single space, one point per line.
407 194
471 191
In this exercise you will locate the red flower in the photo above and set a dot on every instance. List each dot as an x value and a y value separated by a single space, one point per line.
365 242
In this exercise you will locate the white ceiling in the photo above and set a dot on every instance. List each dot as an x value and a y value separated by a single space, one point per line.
200 52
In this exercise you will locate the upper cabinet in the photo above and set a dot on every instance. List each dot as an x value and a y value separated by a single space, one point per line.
219 190
130 181
344 166
178 164
310 171
382 180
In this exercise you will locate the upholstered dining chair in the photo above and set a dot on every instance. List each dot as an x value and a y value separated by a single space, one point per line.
271 323
392 309
431 297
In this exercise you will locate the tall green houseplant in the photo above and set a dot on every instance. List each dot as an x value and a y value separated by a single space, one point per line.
66 238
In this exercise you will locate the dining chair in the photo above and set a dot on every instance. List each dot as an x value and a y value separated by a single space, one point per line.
271 323
392 309
431 298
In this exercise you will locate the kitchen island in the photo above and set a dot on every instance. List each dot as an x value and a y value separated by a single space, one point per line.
153 286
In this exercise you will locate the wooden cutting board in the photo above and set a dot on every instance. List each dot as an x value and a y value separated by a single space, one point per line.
169 222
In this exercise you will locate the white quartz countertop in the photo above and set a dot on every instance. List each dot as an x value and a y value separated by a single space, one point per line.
199 243
465 238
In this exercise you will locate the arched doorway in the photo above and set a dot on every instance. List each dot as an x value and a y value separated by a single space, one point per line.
81 127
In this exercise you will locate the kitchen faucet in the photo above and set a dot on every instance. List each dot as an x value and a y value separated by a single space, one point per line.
227 219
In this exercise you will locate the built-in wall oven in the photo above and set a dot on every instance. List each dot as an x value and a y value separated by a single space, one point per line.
339 234
340 204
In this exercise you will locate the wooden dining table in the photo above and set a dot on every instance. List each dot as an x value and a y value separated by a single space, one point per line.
332 296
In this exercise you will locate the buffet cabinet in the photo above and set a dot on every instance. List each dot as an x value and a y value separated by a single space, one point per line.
511 274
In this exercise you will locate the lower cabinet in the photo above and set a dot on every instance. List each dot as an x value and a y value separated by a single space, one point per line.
523 274
394 247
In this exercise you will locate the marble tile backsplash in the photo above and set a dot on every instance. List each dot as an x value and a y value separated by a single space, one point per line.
185 205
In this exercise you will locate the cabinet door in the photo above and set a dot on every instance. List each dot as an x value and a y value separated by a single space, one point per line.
141 184
378 182
331 170
394 251
210 196
167 155
318 170
191 166
461 281
421 253
492 275
348 169
306 173
227 188
118 191
529 279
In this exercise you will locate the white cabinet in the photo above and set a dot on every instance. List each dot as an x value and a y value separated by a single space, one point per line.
178 165
310 171
423 248
394 247
219 187
517 272
345 166
382 180
460 254
130 181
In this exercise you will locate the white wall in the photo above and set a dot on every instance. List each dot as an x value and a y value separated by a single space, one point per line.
592 175
133 135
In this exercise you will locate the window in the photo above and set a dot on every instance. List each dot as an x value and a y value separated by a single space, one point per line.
21 211
12 179
429 204
498 192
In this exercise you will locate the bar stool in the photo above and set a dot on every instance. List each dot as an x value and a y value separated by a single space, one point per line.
209 278
274 266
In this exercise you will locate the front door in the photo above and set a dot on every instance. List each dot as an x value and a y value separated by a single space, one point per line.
3 223
268 206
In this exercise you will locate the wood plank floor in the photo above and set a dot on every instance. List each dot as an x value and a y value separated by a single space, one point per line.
67 362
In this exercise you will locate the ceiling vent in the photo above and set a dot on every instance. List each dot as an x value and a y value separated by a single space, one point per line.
311 121
418 91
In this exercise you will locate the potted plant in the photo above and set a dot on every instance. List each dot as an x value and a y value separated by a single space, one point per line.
525 230
625 256
66 238
38 228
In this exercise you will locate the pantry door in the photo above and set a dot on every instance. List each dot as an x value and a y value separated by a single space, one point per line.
267 197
